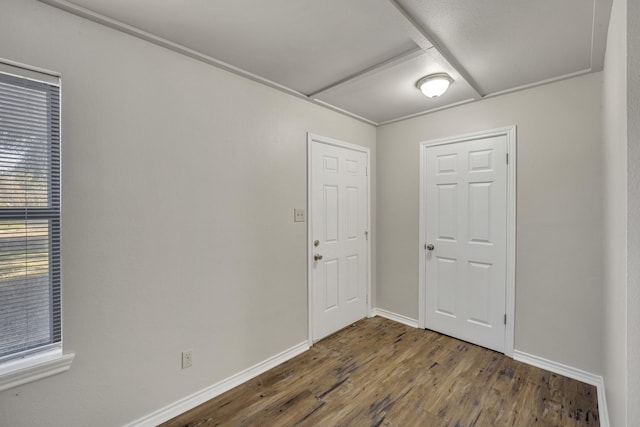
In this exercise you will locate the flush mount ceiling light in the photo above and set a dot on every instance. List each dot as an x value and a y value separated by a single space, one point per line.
434 85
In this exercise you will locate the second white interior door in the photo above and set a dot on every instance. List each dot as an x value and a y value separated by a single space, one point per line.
466 239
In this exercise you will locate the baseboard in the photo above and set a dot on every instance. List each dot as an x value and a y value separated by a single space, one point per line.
174 409
570 372
395 317
198 398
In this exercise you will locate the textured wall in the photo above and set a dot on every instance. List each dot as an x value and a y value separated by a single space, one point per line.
633 243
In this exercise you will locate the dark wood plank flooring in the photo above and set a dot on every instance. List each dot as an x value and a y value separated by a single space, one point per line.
381 373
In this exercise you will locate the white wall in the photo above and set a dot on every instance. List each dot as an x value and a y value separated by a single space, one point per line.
179 183
615 216
633 242
559 223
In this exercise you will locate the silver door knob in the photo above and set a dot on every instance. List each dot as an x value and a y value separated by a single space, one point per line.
317 257
430 247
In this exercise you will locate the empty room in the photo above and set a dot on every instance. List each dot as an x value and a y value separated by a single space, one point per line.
319 213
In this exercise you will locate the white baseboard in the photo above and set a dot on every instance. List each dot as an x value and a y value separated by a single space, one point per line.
395 317
174 409
570 372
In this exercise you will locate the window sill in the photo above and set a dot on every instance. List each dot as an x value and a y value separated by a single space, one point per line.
33 368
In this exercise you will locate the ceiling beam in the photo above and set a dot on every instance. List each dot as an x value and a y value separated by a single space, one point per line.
396 60
423 38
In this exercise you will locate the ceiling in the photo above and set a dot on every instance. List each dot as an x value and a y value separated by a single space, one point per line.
363 57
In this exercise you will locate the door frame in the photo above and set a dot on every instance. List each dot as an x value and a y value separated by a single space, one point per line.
510 133
318 139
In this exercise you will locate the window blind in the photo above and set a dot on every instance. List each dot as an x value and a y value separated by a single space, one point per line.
30 309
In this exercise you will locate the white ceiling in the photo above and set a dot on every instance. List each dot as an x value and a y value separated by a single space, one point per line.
364 57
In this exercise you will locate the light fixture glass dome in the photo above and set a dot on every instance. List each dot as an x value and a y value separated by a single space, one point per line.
434 85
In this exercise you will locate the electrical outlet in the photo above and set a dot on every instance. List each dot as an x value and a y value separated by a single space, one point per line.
299 216
187 358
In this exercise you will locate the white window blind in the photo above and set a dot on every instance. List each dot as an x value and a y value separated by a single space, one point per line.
30 310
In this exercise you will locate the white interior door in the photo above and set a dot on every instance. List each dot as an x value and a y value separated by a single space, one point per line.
466 239
339 247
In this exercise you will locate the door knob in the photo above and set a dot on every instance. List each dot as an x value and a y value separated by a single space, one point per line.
317 257
429 247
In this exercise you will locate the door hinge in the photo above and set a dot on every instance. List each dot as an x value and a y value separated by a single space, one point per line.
507 158
505 319
366 235
366 171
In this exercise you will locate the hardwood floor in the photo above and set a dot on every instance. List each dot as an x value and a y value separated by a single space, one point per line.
381 373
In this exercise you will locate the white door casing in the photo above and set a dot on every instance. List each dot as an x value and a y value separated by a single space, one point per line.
467 212
339 222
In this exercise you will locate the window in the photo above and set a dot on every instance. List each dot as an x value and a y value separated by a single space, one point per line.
30 309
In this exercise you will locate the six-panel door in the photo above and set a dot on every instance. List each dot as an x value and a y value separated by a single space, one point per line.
339 207
466 214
